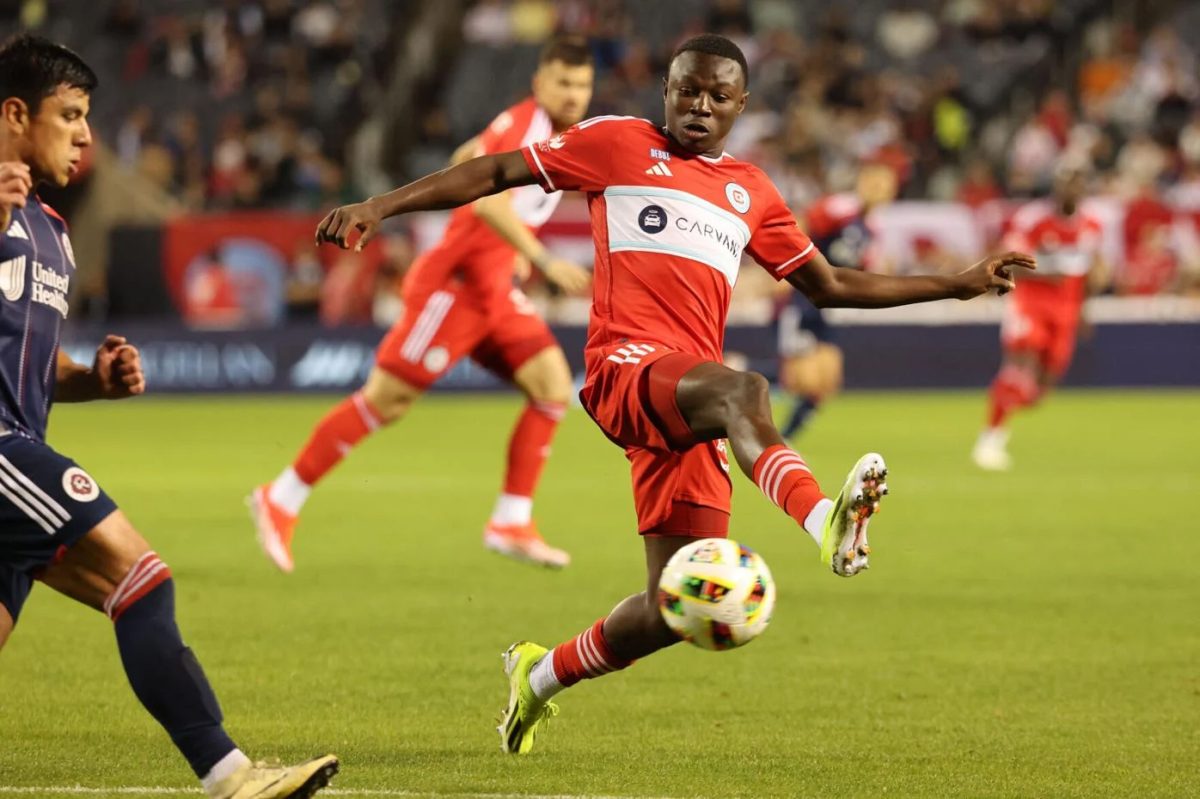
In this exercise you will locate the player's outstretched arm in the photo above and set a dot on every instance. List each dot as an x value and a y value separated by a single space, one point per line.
450 188
115 374
829 287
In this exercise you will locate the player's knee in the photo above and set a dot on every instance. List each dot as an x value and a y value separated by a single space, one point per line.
389 396
751 395
147 574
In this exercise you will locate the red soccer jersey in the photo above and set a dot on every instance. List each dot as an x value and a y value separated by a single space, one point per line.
1066 247
670 228
470 250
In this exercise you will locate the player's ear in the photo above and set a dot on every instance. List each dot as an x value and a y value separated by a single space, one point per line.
664 88
15 114
742 102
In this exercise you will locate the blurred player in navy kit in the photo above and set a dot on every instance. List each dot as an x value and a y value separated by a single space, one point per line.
810 363
56 524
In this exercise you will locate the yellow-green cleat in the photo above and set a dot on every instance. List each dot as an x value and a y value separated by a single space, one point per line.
844 537
525 712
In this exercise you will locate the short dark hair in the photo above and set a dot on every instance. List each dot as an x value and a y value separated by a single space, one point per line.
713 44
32 68
571 50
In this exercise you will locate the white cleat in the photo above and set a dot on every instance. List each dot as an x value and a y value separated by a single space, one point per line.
991 451
261 781
844 545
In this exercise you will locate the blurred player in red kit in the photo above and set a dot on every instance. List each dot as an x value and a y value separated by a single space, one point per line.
672 213
1042 316
459 300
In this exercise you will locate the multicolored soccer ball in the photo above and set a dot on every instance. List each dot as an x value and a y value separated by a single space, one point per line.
716 594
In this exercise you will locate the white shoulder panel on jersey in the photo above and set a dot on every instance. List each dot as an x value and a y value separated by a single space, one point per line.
671 222
532 205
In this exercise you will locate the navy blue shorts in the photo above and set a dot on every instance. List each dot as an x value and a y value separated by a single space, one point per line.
799 326
47 503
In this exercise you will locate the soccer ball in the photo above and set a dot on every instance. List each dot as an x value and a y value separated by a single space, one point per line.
716 594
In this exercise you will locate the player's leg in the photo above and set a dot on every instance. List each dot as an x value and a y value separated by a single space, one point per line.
522 349
717 402
113 570
6 625
810 370
1024 335
436 330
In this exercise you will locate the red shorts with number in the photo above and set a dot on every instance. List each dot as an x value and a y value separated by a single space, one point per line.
440 326
1043 320
680 486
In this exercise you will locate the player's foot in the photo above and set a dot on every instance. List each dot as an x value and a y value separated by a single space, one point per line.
275 527
991 451
844 537
523 542
261 781
525 712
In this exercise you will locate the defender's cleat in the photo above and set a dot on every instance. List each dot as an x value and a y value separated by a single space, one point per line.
525 712
991 451
261 781
523 542
844 538
275 527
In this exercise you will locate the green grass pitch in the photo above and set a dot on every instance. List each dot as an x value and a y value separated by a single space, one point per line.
1029 634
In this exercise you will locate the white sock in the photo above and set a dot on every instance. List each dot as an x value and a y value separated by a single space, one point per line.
814 523
511 509
224 768
542 679
289 491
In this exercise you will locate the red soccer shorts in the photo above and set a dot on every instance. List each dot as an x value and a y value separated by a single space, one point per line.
439 327
680 486
1044 324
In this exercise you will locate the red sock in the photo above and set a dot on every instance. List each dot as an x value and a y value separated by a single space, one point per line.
530 446
346 424
585 656
787 481
1012 389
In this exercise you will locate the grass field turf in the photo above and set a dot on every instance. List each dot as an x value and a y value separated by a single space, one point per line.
1028 634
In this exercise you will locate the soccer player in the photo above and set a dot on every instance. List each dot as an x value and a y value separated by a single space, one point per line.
672 214
1042 317
459 300
810 366
56 524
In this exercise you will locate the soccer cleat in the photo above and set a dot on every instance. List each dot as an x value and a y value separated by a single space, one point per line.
275 527
523 542
525 712
262 781
991 451
844 536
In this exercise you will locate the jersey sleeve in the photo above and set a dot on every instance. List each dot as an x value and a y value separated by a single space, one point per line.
577 159
778 244
506 131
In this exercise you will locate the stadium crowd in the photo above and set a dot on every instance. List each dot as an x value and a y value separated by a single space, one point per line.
968 101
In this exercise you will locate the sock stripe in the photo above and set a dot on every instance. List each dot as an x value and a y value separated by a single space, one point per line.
777 476
365 411
592 657
590 661
147 573
551 410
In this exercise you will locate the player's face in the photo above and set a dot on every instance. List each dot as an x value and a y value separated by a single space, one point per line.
57 134
704 94
876 185
1069 188
564 91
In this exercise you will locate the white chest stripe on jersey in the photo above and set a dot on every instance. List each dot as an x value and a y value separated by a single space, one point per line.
672 222
532 205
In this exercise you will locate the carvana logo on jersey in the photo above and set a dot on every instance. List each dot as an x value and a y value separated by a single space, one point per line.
652 219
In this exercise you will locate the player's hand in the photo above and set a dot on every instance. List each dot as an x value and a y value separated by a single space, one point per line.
522 268
991 273
341 222
568 276
118 369
15 185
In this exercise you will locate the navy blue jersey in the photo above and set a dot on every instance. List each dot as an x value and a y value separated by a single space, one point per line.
36 267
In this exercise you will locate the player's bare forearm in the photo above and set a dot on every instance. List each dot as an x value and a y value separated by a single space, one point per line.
450 188
829 287
74 382
497 211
